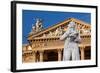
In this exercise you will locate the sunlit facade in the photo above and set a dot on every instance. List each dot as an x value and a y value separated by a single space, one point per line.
44 45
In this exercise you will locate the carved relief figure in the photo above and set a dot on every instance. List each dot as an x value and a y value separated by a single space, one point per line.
58 31
49 34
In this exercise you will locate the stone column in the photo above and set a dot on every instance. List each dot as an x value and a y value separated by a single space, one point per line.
34 56
59 54
82 53
41 55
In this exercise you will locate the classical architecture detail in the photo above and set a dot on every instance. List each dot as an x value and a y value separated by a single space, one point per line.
59 31
41 55
59 54
45 44
38 26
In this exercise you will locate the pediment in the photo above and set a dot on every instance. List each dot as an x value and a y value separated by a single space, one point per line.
60 28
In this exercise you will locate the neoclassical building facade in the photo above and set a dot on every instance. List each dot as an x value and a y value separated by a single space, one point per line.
44 44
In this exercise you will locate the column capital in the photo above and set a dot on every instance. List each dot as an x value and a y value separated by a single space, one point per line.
34 51
59 50
41 51
82 47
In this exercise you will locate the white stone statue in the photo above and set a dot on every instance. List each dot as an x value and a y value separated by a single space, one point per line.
33 29
71 38
38 25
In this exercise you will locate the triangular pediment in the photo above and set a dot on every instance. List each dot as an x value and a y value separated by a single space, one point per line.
56 29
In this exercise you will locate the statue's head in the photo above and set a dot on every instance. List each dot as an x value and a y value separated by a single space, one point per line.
71 24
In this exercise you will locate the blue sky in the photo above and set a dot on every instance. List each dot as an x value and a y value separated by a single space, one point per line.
49 18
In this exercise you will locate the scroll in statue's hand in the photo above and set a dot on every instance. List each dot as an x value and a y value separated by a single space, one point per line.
73 34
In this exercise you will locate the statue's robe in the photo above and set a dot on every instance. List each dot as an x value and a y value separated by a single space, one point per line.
71 49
